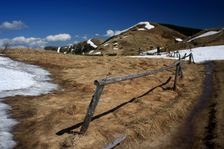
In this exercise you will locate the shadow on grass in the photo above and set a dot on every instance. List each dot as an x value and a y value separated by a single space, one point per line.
69 129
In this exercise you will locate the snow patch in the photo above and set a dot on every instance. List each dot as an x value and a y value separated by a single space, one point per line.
150 52
209 33
91 51
178 39
59 48
200 55
13 80
98 53
91 43
70 45
148 26
141 29
105 44
6 125
18 79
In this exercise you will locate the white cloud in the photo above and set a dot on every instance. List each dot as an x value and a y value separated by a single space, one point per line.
58 37
14 25
25 42
97 34
33 41
84 37
22 39
111 33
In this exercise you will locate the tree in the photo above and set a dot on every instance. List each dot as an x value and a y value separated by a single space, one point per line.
6 45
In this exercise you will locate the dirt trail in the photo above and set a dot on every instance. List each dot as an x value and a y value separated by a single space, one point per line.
204 127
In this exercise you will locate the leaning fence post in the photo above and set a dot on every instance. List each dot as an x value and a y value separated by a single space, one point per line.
92 107
176 75
190 57
180 71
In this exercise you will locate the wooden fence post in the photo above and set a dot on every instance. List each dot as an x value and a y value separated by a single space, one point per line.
180 71
176 75
92 107
190 57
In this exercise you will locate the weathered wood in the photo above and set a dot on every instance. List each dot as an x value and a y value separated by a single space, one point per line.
176 75
91 108
101 83
115 142
180 71
111 80
190 56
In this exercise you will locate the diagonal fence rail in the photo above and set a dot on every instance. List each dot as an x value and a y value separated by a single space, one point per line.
101 83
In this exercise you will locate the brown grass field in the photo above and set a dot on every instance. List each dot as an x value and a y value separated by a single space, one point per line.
150 122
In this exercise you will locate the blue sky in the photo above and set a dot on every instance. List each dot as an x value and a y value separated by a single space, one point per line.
56 22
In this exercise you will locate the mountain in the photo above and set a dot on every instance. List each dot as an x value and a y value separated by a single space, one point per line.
208 37
146 36
187 31
84 47
141 37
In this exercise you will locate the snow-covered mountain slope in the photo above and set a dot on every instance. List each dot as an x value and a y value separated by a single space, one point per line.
200 54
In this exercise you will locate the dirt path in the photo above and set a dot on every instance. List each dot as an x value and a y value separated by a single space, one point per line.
215 128
204 127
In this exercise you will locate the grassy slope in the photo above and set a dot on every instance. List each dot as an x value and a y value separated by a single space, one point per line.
148 123
133 41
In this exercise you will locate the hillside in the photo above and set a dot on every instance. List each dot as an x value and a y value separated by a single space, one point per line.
187 31
141 37
159 113
146 36
80 48
209 37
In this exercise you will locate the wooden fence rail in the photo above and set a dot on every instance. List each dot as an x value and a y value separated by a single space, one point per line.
100 84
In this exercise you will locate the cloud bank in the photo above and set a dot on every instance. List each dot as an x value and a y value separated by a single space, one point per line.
14 25
33 41
59 37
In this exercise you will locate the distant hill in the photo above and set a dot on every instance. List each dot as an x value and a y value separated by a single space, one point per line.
141 37
209 37
146 36
187 31
80 48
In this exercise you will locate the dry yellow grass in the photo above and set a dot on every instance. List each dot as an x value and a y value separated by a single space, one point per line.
218 99
148 123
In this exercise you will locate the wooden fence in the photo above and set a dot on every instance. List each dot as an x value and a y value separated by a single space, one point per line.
100 84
